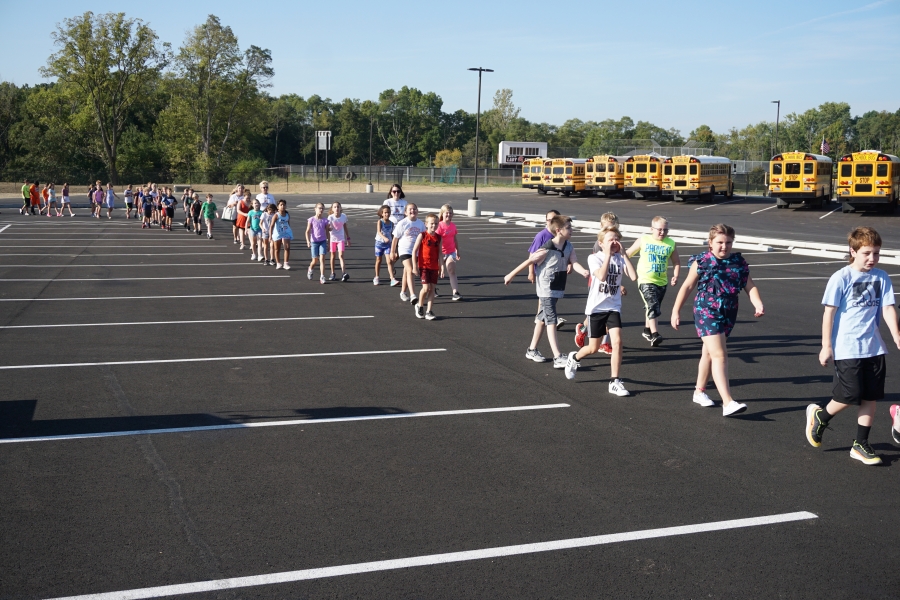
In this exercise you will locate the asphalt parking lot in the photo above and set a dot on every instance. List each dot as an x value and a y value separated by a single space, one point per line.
179 421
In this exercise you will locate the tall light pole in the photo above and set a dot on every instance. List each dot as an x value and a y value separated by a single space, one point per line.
477 127
777 115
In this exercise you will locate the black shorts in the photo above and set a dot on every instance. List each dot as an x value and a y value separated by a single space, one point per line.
195 219
170 211
600 322
857 379
148 212
653 296
404 257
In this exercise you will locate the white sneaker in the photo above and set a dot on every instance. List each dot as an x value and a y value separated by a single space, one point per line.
395 282
702 399
277 265
617 387
559 362
259 258
252 257
287 267
376 281
732 408
535 355
404 296
309 274
571 365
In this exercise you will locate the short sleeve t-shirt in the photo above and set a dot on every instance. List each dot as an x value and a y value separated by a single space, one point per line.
317 229
253 217
337 227
129 196
406 233
447 231
605 295
859 297
265 199
265 221
25 191
550 272
209 210
398 208
428 252
540 239
653 265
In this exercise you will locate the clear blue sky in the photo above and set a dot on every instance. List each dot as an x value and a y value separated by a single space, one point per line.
676 64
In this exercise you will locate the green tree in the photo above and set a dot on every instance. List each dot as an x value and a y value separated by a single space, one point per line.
409 124
109 60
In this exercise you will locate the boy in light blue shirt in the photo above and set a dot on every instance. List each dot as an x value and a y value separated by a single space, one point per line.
855 299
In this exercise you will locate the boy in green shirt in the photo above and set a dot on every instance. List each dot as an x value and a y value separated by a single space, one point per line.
657 250
209 214
26 198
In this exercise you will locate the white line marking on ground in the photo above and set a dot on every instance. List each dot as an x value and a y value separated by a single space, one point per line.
790 278
614 201
822 262
248 263
831 213
718 204
5 228
434 413
159 297
440 559
183 322
99 246
661 203
763 210
115 254
217 358
155 278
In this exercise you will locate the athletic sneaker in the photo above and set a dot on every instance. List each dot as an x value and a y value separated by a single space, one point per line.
535 355
404 297
376 281
278 265
436 292
395 282
606 348
235 241
863 452
895 432
571 365
309 274
242 247
656 339
253 257
456 296
733 408
413 299
560 322
260 258
332 277
580 335
322 279
345 277
617 387
420 312
646 334
702 399
287 267
430 316
559 362
814 426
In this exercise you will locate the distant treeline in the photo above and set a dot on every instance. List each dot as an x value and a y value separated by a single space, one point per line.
123 105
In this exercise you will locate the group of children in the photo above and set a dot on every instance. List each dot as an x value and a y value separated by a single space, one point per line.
44 200
855 299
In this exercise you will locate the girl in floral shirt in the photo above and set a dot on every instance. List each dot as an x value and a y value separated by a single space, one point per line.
719 277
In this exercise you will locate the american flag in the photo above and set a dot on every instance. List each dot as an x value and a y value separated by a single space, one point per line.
825 147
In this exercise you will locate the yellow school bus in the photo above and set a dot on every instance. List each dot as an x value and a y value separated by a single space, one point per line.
531 172
699 177
868 179
643 175
605 174
800 178
563 176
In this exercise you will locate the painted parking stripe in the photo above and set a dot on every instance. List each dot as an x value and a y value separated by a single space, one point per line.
216 359
257 424
155 278
83 255
158 297
441 559
763 210
4 228
821 262
247 263
719 204
100 246
831 213
193 322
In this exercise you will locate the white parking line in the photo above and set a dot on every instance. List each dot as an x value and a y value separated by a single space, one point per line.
98 246
154 278
158 297
2 254
763 210
719 204
614 201
441 559
254 425
4 229
247 263
822 262
194 322
791 278
831 213
216 359
661 203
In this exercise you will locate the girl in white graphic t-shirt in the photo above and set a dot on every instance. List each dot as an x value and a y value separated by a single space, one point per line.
405 234
604 305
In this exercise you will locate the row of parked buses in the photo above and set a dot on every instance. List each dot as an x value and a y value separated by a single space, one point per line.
863 180
643 176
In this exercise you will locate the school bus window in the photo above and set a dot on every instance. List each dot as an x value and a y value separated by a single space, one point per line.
881 170
641 168
693 170
590 167
776 169
557 170
667 169
846 170
568 170
629 168
653 168
863 170
792 168
679 169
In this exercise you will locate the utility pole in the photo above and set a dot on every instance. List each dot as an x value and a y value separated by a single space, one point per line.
474 203
777 115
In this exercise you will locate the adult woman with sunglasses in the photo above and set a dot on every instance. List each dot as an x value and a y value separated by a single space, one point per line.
264 197
395 201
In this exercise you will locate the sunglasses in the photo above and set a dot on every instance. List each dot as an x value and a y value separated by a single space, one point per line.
395 191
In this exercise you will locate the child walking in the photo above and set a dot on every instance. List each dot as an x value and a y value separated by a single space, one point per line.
281 234
253 230
428 261
66 201
607 220
51 201
450 248
604 306
265 224
657 251
317 229
719 277
551 262
384 232
210 214
855 299
406 233
542 237
340 238
196 211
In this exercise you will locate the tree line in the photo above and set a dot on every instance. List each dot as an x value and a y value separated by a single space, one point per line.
125 106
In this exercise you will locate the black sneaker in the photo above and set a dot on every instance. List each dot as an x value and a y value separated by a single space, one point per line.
345 277
863 452
413 299
420 312
456 296
656 339
814 425
647 335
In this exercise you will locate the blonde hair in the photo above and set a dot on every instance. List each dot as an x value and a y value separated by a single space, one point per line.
721 229
659 218
445 209
609 219
431 216
602 233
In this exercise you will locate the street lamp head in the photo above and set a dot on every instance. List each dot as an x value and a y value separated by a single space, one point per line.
480 69
776 101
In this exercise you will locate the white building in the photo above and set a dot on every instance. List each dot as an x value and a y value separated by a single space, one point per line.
512 154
